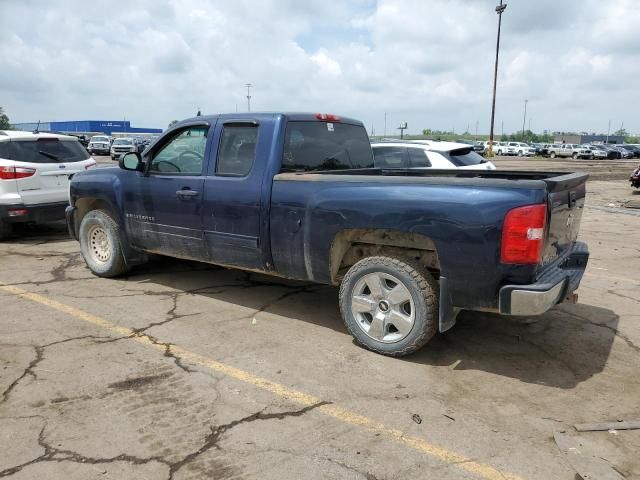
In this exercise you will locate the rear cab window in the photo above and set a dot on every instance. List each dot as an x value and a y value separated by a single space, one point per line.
319 145
47 150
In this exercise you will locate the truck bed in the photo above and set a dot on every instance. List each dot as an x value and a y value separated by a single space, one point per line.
551 181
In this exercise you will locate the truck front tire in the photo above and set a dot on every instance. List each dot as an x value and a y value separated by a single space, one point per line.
389 305
100 244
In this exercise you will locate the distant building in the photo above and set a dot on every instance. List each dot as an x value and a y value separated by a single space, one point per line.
580 139
107 127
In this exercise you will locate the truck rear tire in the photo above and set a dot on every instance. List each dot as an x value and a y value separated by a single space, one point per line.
100 244
389 305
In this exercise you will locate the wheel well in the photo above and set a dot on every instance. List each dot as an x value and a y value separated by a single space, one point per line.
85 205
351 246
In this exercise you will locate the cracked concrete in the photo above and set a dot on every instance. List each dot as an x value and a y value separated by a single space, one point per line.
54 454
80 402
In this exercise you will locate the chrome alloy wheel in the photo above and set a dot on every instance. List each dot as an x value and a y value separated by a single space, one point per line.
383 307
100 247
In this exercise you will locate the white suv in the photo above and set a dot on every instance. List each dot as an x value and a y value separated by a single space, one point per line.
428 154
522 149
34 176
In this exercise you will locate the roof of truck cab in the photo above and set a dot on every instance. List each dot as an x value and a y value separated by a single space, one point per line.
292 116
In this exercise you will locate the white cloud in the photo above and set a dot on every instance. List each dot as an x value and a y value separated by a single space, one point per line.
326 64
427 62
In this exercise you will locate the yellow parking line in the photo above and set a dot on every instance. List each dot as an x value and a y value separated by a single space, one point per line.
346 416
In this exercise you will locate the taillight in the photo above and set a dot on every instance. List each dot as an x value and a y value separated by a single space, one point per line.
523 235
327 117
14 173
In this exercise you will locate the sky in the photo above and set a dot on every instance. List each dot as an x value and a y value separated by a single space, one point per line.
425 62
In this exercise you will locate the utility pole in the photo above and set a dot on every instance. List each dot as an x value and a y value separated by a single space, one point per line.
476 129
385 124
502 130
529 123
608 131
524 119
248 85
499 10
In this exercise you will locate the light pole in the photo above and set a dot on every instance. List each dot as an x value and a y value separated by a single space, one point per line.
499 10
248 85
524 119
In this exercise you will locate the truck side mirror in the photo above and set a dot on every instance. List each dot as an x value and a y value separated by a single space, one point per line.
131 161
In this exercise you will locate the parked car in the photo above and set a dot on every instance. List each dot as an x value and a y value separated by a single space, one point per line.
83 139
569 150
408 248
428 154
624 153
612 152
485 147
99 145
537 147
34 176
503 148
597 151
522 149
544 149
121 146
632 149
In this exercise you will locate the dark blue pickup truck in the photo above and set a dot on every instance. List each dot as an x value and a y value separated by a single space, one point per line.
296 195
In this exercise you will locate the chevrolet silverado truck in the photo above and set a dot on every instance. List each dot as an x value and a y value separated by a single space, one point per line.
297 196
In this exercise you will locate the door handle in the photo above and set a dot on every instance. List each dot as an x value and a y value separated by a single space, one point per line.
187 193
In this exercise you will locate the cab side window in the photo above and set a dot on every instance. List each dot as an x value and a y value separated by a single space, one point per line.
184 154
237 151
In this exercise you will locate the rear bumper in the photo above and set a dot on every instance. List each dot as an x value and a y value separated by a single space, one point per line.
99 150
42 213
553 285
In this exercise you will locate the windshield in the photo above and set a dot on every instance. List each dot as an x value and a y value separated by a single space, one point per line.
48 150
462 157
99 139
312 146
122 141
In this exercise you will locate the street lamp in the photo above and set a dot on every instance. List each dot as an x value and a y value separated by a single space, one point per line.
499 10
248 85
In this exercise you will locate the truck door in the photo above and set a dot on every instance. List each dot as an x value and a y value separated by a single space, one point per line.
233 193
163 208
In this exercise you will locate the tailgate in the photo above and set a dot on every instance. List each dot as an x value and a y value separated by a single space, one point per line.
565 204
